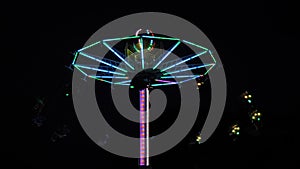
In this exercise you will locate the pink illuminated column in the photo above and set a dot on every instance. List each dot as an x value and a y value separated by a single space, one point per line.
144 127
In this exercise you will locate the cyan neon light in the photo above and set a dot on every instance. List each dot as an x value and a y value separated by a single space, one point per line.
127 84
118 55
212 56
100 70
91 45
187 59
109 77
98 60
194 44
167 54
115 39
126 81
142 52
182 76
183 70
156 37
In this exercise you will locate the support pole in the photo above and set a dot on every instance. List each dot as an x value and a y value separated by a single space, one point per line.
144 128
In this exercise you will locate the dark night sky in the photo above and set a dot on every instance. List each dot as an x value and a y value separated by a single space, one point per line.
257 43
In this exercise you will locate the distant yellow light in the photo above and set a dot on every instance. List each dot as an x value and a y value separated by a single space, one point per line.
199 84
198 139
245 97
249 96
258 114
253 117
237 128
233 131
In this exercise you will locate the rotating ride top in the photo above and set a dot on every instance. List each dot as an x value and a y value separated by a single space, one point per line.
142 61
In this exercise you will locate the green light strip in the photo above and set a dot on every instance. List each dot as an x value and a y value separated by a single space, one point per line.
75 57
212 56
194 44
114 39
100 70
101 61
80 70
104 80
96 43
209 69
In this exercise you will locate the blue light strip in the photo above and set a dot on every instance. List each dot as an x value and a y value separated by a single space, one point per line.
91 45
142 52
156 37
187 59
167 54
114 39
163 81
100 70
196 67
194 44
189 79
118 55
98 60
182 76
164 84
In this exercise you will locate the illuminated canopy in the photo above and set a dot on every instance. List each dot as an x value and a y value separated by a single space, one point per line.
141 56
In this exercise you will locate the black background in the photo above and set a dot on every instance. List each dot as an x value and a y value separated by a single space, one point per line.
257 41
